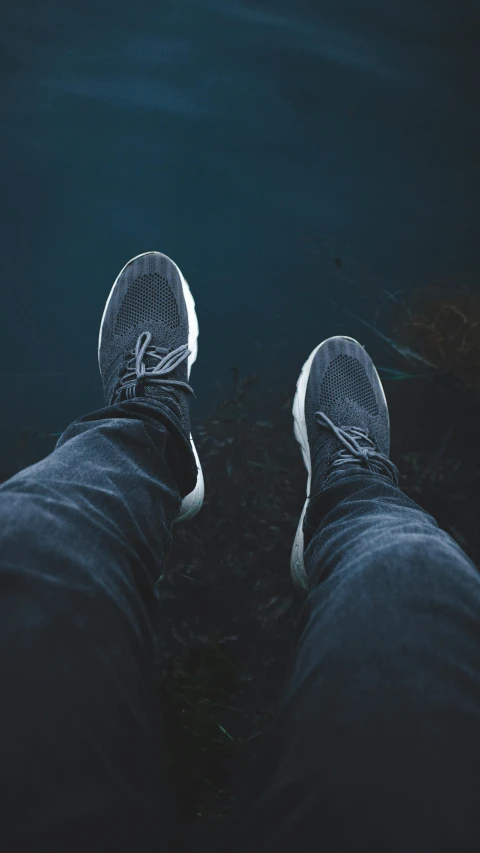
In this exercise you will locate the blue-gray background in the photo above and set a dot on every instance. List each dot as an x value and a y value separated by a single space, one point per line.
251 141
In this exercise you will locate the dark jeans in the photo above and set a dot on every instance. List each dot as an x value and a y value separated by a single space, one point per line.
376 745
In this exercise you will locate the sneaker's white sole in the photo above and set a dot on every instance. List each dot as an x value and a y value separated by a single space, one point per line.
297 564
192 503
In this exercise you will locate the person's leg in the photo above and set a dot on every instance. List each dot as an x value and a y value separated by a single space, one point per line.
376 744
82 538
83 534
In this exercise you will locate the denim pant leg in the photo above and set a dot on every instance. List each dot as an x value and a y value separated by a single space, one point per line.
82 538
376 745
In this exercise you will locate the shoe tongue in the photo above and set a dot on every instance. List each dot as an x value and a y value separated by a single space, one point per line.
161 392
350 468
155 386
170 395
362 441
150 362
325 450
327 437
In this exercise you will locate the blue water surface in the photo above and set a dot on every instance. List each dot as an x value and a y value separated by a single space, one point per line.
254 142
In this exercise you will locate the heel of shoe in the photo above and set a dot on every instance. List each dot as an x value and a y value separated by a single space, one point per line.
193 502
297 564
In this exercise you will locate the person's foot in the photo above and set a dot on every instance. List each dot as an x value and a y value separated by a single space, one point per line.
341 423
148 343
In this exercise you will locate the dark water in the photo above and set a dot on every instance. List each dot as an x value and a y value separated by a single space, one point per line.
253 142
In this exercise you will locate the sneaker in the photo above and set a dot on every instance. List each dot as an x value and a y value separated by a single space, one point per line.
147 345
341 423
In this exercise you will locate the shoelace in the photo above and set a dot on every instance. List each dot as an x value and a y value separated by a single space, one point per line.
137 373
366 453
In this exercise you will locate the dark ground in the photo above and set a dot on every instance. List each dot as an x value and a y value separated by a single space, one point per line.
229 615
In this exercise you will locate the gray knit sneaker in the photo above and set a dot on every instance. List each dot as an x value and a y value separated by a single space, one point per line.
341 423
148 343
